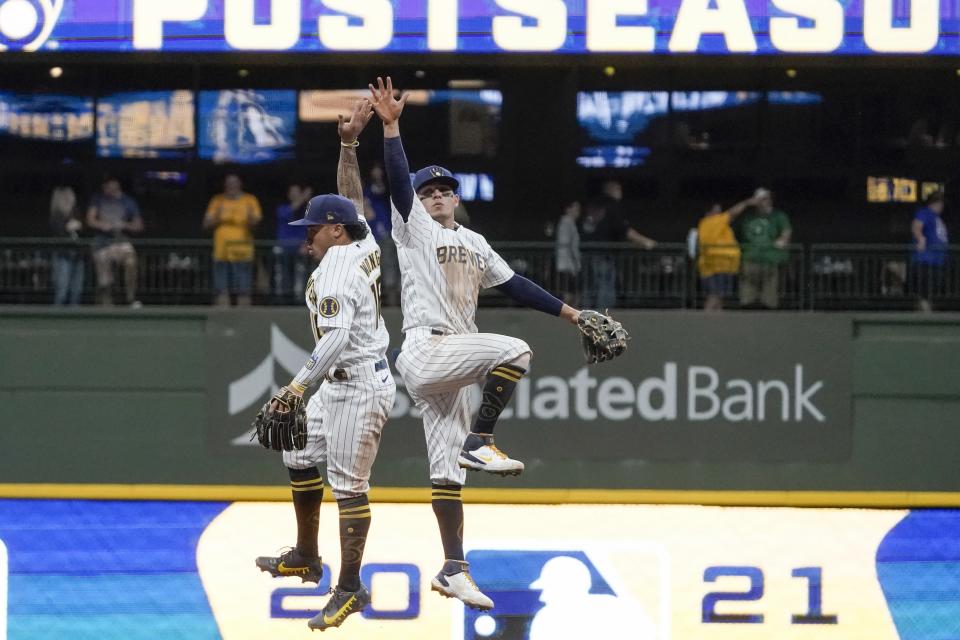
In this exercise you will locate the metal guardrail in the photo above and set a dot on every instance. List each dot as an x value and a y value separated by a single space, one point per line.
814 277
881 277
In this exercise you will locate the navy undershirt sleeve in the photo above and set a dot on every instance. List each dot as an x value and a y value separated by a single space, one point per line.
530 294
398 176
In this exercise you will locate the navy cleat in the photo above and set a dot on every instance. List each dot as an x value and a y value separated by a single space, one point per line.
292 564
339 606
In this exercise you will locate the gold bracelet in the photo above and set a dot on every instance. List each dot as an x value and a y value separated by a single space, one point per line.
295 386
348 145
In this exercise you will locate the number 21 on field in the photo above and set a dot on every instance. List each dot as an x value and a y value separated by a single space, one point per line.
813 615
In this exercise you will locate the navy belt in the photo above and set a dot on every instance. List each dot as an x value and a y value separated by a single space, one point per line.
437 332
342 374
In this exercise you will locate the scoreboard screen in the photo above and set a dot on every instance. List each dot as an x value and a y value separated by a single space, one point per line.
885 189
46 117
146 124
247 125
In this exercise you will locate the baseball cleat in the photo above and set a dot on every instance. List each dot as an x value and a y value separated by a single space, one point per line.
291 563
342 604
480 454
455 581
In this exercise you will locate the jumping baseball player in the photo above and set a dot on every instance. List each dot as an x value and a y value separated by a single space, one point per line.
443 266
346 416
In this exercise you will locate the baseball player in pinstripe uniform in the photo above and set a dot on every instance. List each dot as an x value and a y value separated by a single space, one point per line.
443 267
346 416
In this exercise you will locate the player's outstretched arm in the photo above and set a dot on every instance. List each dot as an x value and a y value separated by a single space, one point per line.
389 108
530 294
349 184
570 314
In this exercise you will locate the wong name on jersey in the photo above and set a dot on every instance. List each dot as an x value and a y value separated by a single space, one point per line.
344 292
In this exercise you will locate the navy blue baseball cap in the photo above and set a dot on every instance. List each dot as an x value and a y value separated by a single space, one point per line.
328 209
434 174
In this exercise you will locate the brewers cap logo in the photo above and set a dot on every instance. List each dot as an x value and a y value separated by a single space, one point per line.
436 172
328 307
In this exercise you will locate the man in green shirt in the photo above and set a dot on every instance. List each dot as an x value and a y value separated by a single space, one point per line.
764 237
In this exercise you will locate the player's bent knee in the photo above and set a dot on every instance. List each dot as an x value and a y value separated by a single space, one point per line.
300 475
522 360
347 495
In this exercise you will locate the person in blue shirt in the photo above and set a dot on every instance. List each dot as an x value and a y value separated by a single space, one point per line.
289 274
113 215
930 251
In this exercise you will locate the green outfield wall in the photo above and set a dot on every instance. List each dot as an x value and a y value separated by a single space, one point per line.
734 401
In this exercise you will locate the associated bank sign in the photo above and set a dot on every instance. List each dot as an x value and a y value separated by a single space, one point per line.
858 27
760 387
695 393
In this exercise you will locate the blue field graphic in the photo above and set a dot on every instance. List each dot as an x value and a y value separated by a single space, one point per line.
106 569
918 565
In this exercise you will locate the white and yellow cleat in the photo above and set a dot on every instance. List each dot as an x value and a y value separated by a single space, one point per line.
455 581
480 454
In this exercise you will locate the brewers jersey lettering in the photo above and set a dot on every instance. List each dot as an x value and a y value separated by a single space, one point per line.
346 415
442 272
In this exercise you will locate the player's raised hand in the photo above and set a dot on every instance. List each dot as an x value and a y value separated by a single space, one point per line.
385 103
351 129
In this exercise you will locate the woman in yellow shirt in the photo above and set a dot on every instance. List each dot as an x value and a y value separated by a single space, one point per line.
718 253
232 216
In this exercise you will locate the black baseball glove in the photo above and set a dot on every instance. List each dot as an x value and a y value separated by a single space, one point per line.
602 337
283 428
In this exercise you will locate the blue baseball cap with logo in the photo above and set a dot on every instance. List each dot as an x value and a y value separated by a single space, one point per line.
436 174
328 209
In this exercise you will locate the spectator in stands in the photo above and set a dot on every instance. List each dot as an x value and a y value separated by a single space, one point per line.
718 254
232 215
68 263
930 245
288 268
568 253
376 205
764 239
112 215
604 222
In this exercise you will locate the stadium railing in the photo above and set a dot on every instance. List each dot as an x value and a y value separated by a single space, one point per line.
814 277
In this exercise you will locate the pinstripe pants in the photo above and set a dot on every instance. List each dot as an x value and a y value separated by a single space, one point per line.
438 372
344 423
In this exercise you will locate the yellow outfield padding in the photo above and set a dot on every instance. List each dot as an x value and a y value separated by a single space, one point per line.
241 493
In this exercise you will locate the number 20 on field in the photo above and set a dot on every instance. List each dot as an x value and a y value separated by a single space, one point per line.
813 615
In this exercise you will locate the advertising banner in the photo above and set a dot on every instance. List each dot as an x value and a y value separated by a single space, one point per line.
699 388
247 126
186 570
146 124
769 27
46 117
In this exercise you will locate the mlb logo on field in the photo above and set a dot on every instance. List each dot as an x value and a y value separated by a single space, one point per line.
570 591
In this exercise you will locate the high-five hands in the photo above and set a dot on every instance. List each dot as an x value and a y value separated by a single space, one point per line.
351 129
387 106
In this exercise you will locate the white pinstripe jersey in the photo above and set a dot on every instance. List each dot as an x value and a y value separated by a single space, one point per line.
344 292
442 271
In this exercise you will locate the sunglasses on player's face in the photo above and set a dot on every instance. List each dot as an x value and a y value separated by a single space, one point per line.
427 192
